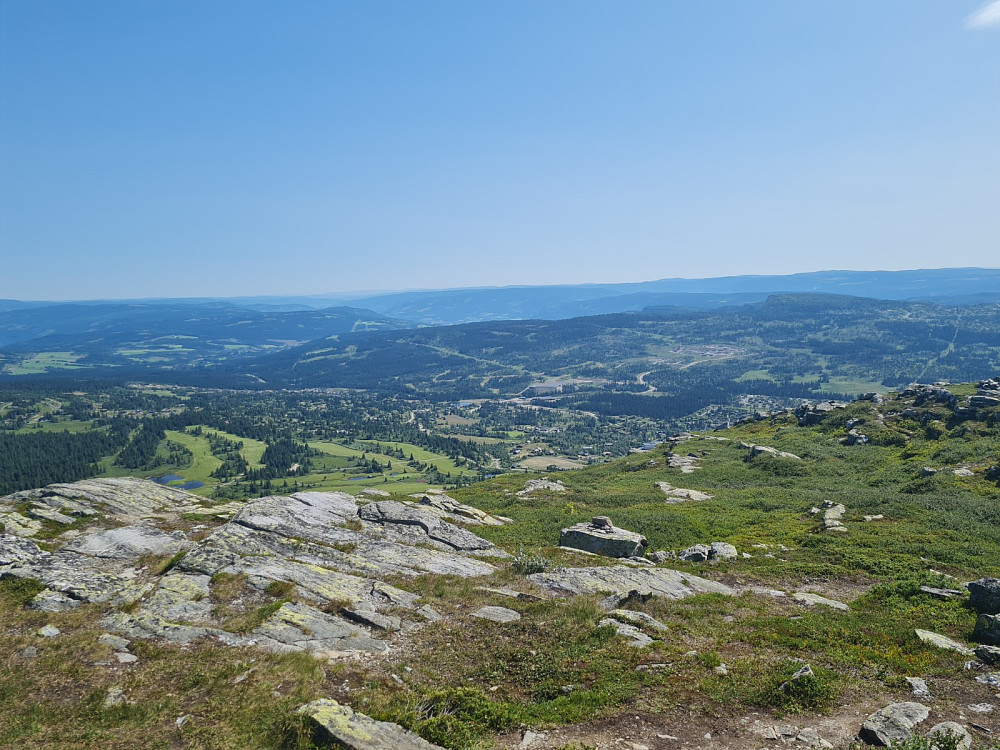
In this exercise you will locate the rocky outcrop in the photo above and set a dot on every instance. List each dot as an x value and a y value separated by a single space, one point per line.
680 495
540 485
602 537
341 726
326 556
757 450
622 581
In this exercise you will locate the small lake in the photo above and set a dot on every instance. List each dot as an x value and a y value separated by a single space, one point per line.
355 479
169 478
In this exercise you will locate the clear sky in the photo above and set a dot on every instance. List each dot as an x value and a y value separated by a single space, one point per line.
211 147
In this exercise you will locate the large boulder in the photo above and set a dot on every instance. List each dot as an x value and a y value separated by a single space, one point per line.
987 630
984 595
344 728
602 537
894 723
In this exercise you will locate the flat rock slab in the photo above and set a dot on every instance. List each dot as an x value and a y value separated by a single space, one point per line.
128 542
391 513
894 723
942 641
621 580
497 614
681 495
810 599
353 731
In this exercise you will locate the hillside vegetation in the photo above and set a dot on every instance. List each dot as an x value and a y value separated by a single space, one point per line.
916 474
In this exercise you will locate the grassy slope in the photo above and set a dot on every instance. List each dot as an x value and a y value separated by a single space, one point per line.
466 680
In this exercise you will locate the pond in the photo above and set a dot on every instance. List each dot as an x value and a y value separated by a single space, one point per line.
172 479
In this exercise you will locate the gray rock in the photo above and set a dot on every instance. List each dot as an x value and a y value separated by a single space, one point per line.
603 538
722 551
639 619
681 495
988 654
987 630
952 730
810 599
981 708
497 614
621 581
48 631
52 601
536 485
697 553
28 653
412 520
128 542
299 627
631 633
984 595
353 731
388 623
918 687
114 641
663 555
941 641
894 723
125 658
114 697
927 471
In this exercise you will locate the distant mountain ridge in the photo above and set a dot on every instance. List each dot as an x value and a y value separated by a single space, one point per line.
953 286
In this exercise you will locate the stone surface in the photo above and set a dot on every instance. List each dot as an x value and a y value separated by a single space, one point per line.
538 485
696 553
893 723
918 687
631 633
48 631
52 601
497 614
988 654
114 641
987 630
952 729
722 551
810 599
128 542
620 580
354 731
680 495
639 619
984 595
942 641
415 521
603 538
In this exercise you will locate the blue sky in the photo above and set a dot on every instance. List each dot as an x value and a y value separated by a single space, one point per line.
186 148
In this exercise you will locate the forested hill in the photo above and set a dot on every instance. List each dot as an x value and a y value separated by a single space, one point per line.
834 343
163 335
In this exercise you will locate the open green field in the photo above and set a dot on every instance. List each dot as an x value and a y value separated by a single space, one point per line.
252 450
45 361
67 426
